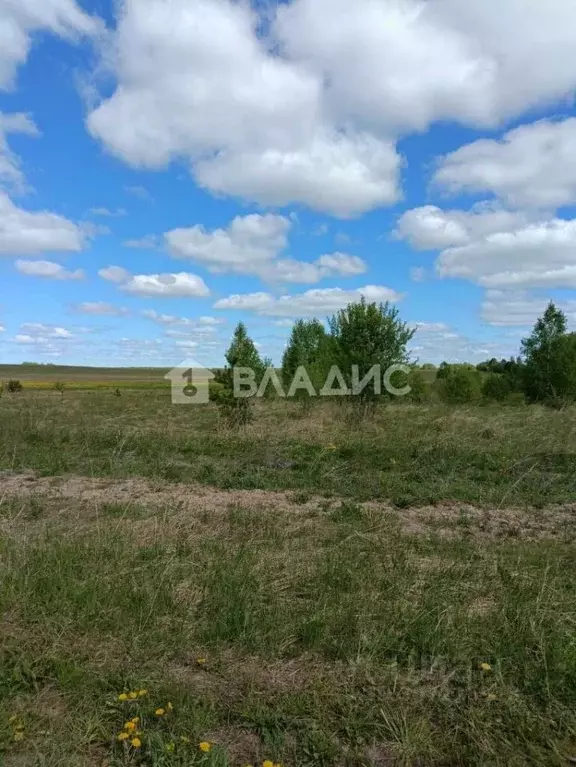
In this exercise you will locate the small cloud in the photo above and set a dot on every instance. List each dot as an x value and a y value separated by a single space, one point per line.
148 242
138 191
418 274
118 213
343 239
114 274
49 270
101 308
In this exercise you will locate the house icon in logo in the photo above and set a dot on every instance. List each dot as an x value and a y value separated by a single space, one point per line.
190 383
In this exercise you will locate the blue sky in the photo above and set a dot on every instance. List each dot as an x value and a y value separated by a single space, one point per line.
169 167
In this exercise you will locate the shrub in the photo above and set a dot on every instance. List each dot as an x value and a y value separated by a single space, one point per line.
461 387
236 411
443 371
420 389
60 386
496 387
14 386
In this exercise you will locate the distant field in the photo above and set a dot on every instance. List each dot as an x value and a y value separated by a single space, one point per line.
45 376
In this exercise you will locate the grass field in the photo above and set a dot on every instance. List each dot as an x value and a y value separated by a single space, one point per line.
85 378
310 590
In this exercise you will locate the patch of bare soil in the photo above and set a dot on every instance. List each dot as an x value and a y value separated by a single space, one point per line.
85 497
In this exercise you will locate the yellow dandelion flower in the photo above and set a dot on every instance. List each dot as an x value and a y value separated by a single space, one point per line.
486 667
135 742
160 712
122 696
267 763
129 726
122 736
201 661
19 735
132 695
142 693
135 720
205 746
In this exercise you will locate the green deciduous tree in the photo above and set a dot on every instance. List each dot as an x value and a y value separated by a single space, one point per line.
550 357
367 334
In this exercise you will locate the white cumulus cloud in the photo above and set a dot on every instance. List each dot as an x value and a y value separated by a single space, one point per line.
251 245
25 233
10 166
536 255
248 245
179 285
20 19
510 308
303 102
312 302
531 166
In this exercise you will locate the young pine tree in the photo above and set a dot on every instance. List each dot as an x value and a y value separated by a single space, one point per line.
308 347
242 353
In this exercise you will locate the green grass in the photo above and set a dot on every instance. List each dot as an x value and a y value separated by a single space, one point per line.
335 631
326 639
406 454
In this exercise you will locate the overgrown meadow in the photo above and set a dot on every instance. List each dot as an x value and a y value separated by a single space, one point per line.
309 589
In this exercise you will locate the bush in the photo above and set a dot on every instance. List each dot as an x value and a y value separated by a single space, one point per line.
14 386
462 386
236 411
420 389
60 386
443 371
496 387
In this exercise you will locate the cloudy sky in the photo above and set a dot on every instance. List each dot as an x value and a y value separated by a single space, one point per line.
168 167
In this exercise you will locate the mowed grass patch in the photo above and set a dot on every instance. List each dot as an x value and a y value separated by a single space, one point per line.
329 638
410 455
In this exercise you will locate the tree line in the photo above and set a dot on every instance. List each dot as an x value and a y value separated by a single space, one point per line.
366 334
